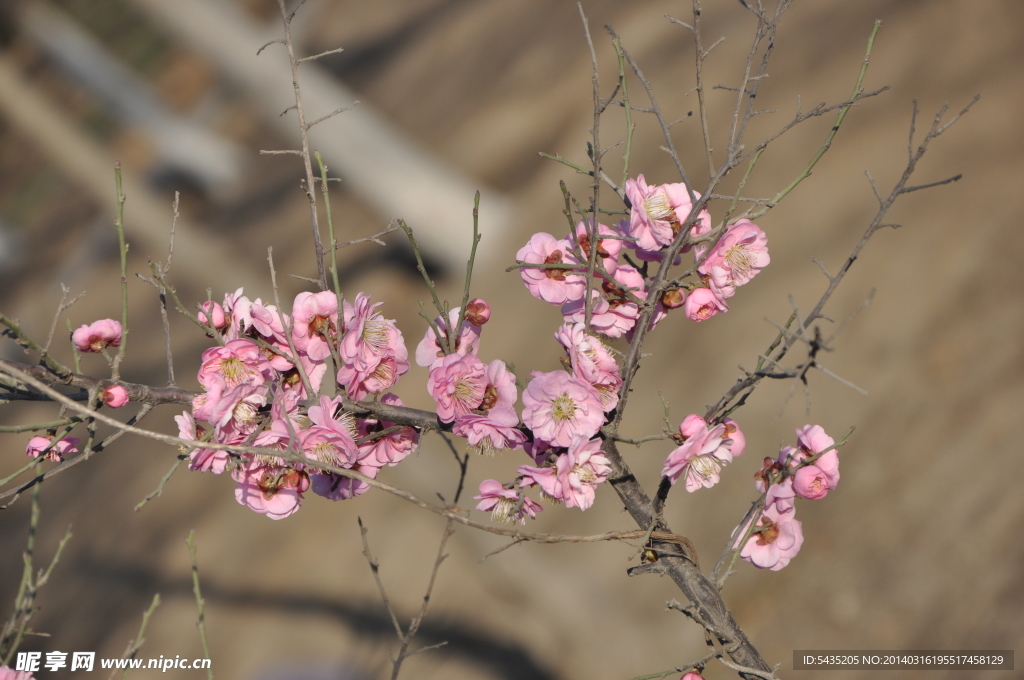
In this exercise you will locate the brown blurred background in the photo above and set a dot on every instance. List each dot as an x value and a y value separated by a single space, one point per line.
919 547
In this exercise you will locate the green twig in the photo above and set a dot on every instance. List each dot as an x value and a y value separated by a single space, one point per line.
857 91
200 602
123 248
136 644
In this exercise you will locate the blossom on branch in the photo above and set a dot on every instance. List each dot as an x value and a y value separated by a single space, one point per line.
97 336
60 449
559 408
554 285
659 212
505 505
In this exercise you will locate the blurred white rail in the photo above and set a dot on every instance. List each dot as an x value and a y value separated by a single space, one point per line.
372 156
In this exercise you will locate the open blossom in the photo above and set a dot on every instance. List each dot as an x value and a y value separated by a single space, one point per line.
702 304
591 362
315 323
457 384
575 475
115 396
505 505
273 490
613 319
97 336
775 541
704 452
429 352
203 460
237 362
659 212
57 452
391 448
608 249
233 411
559 408
493 425
335 487
373 352
556 286
815 480
737 257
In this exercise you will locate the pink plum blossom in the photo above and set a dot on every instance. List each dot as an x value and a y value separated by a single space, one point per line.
8 673
492 433
814 480
315 323
737 257
97 336
692 676
775 541
373 352
612 320
272 490
478 312
591 362
457 384
211 313
203 460
336 487
237 362
115 396
58 451
557 286
233 411
505 505
704 452
608 249
559 408
575 475
390 449
660 211
702 304
429 352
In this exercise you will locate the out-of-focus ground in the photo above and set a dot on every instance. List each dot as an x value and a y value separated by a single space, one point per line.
919 548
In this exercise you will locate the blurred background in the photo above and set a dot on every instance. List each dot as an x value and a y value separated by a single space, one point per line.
919 548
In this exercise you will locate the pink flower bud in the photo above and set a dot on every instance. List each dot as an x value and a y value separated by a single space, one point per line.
703 304
478 312
212 311
115 396
97 336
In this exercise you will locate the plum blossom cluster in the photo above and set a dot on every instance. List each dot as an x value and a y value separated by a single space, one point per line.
554 270
703 452
261 388
564 411
808 470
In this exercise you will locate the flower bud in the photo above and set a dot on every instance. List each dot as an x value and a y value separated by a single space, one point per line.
115 396
478 312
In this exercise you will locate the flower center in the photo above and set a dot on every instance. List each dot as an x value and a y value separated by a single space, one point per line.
326 452
768 532
320 325
554 258
504 511
234 371
490 398
741 261
705 466
563 407
658 207
244 412
585 473
375 333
